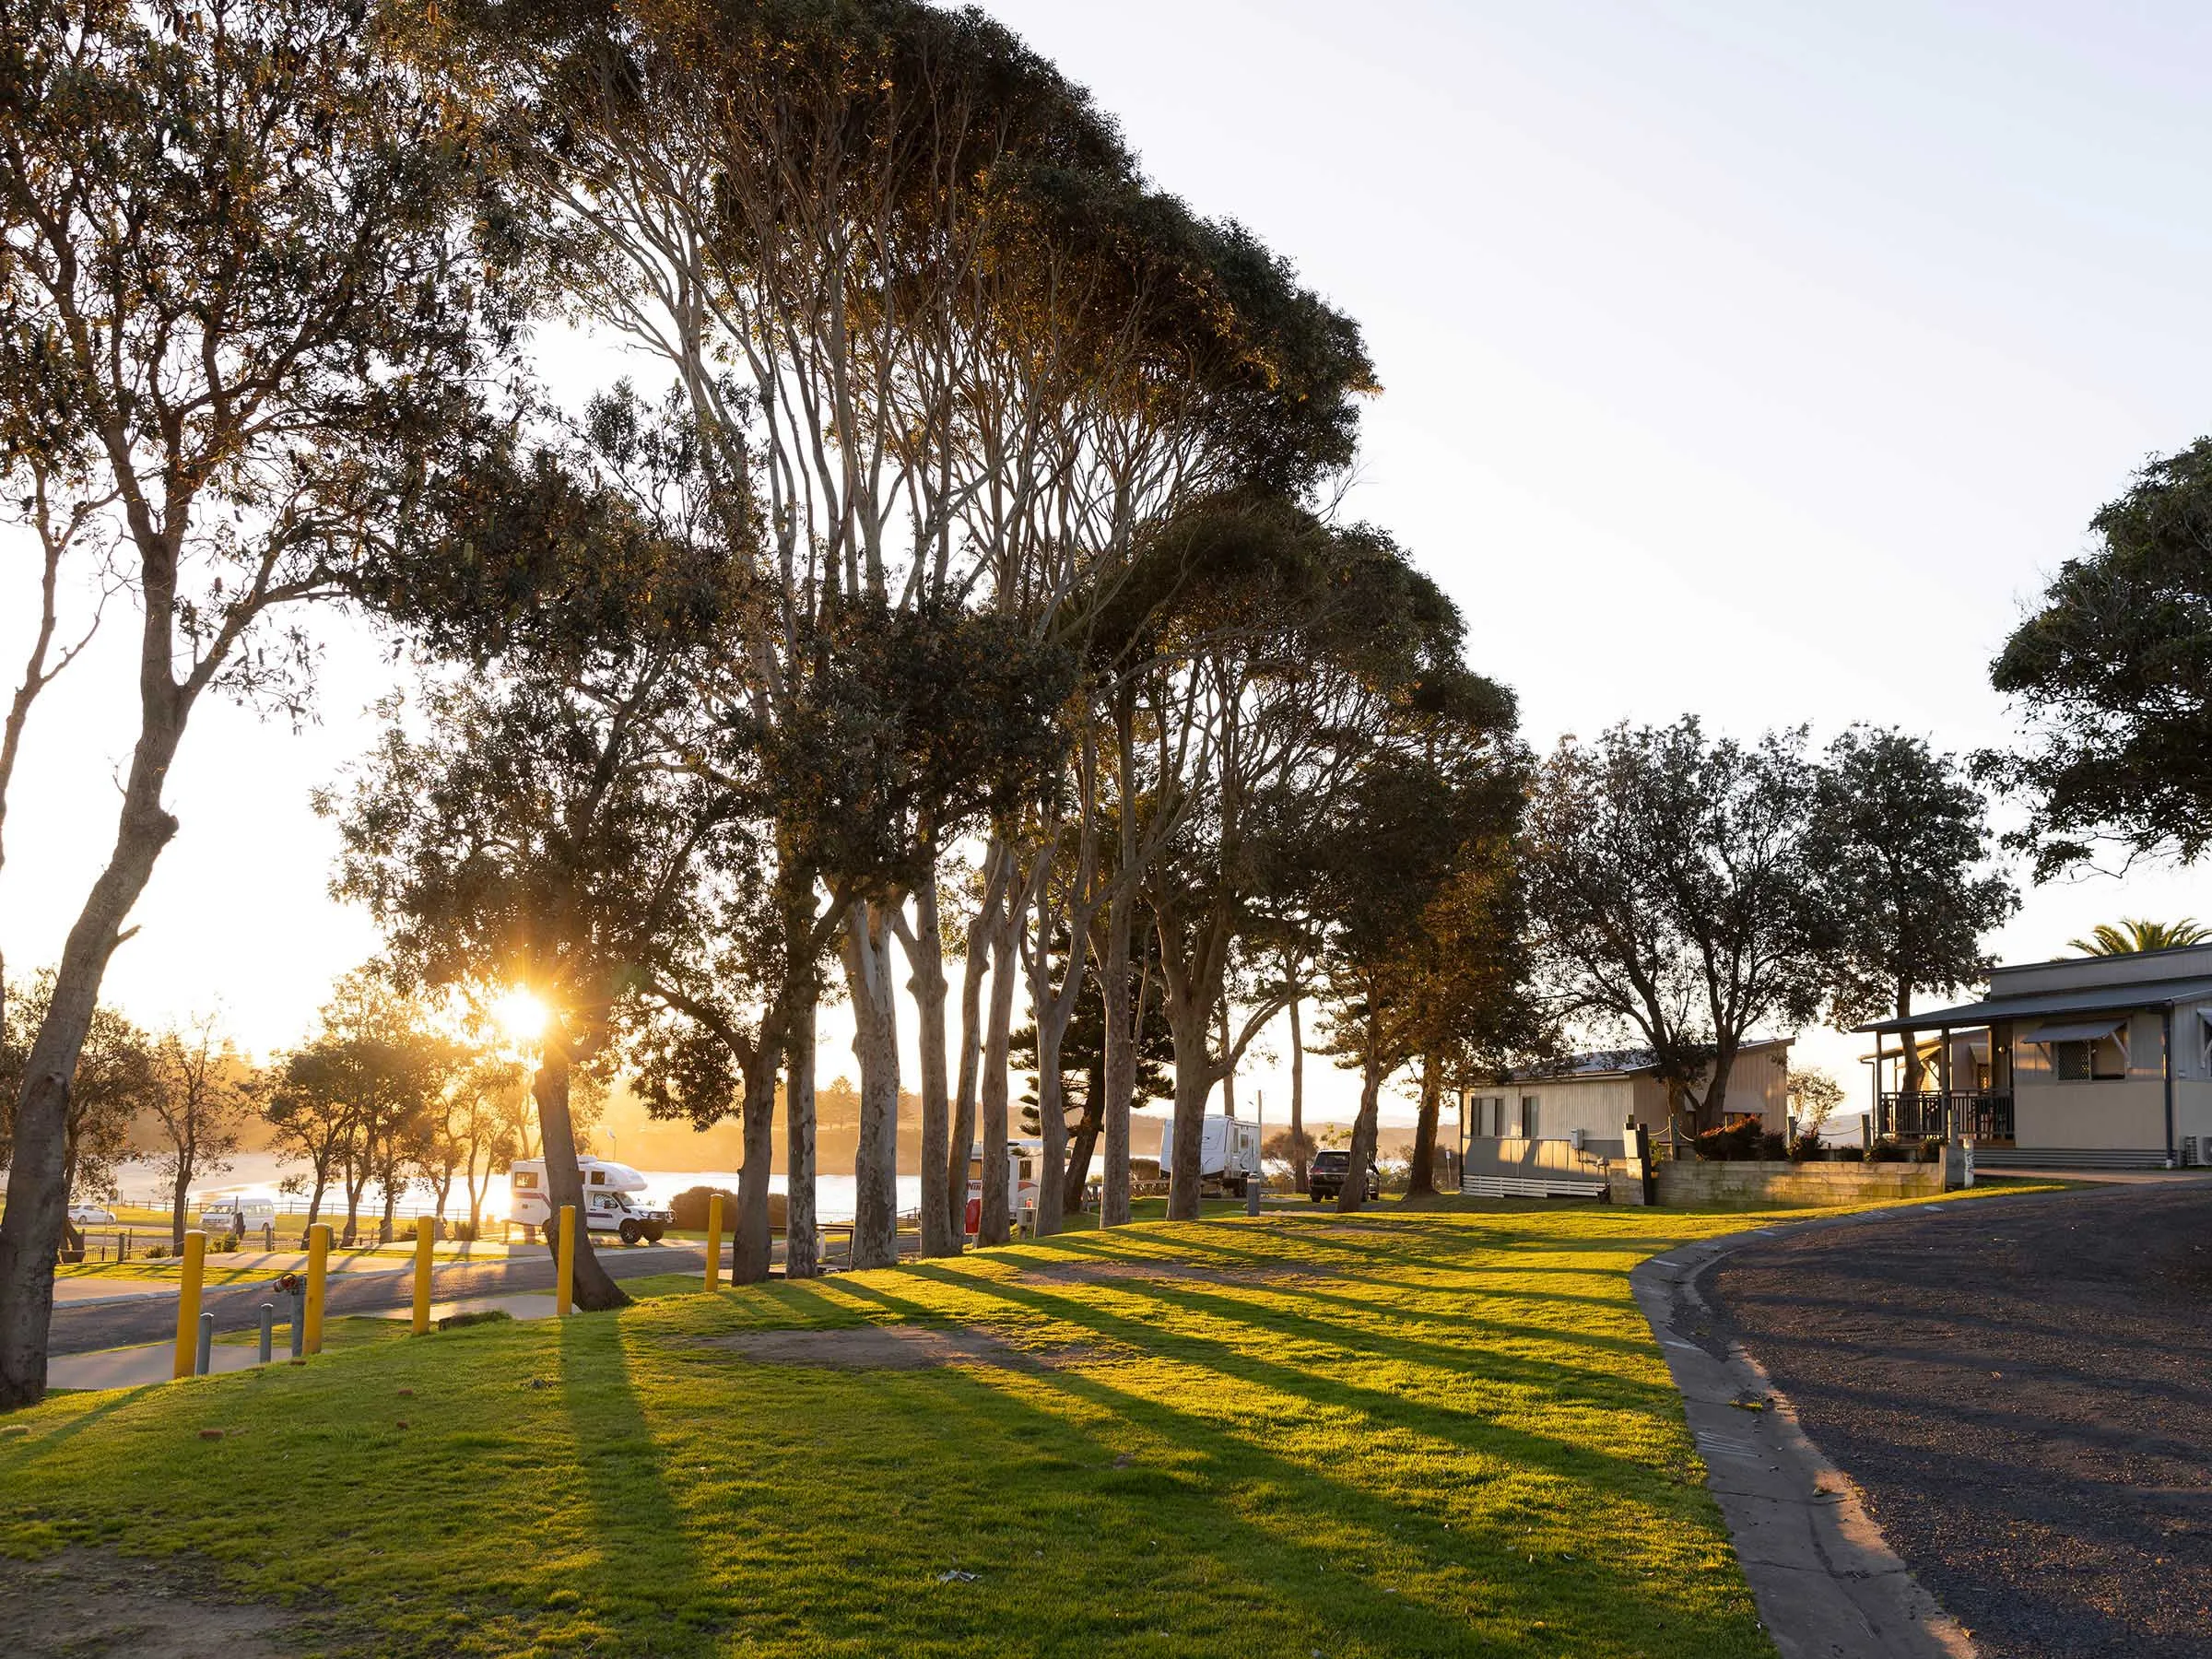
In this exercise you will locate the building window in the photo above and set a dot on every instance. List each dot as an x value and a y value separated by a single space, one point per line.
1528 1117
2103 1060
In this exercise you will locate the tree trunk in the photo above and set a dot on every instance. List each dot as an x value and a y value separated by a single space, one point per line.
180 1193
1422 1176
1915 1077
1005 968
940 1228
1050 1012
802 1235
1352 1195
752 1241
1191 1026
594 1292
1298 1103
1119 1076
1228 1070
876 1046
314 1201
981 929
1082 1143
31 1227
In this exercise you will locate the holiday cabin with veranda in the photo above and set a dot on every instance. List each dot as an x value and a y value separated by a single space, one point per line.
2101 1061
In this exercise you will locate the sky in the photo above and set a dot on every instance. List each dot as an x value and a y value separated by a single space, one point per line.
1758 361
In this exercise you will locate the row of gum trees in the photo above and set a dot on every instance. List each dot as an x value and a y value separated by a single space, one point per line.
960 593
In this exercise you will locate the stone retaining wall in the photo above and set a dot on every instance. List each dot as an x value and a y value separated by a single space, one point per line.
1694 1183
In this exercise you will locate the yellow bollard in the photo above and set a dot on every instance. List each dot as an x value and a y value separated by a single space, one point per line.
714 1242
188 1301
564 1283
423 1234
318 1269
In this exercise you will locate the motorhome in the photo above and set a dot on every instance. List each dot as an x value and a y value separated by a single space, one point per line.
226 1215
1023 1159
1228 1153
611 1201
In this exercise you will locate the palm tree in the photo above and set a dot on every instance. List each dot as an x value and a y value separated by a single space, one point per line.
2132 936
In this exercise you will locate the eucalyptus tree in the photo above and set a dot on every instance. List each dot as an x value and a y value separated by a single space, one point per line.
111 1089
1674 896
240 307
1900 841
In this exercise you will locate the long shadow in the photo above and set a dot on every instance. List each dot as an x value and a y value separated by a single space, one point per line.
1465 1431
1304 1578
1496 1363
33 1450
634 1519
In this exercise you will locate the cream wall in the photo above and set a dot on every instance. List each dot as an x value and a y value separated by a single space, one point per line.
2108 1115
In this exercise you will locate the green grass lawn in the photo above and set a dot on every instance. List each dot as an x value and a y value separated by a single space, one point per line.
1431 1433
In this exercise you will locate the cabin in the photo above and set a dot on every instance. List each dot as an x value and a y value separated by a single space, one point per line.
2082 1063
1552 1131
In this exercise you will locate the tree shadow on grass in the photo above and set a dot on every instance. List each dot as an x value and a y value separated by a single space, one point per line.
1463 1431
1224 1483
632 1518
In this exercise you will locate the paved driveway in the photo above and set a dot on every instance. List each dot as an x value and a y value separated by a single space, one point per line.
2023 1390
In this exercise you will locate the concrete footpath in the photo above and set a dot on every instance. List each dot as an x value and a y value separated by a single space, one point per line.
1826 1583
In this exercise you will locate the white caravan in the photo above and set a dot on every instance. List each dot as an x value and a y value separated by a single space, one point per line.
1228 1153
1023 1159
609 1204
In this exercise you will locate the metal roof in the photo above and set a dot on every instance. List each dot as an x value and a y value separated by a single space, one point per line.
2088 999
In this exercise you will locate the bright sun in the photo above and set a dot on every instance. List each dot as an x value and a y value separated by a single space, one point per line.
521 1016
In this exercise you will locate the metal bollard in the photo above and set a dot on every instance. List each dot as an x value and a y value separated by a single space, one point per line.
206 1344
714 1242
268 1331
424 1248
1251 1194
298 1322
188 1300
564 1272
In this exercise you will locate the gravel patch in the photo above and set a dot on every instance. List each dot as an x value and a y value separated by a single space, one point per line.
85 1603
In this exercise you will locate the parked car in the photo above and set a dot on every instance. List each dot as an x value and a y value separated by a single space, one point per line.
230 1217
1326 1174
90 1215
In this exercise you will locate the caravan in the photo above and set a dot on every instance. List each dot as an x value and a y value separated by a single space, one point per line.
1023 1159
1228 1154
610 1204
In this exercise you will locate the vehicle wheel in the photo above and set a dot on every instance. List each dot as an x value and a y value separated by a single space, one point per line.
1313 1194
632 1232
655 1233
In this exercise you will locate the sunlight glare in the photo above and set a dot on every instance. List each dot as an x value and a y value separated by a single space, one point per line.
521 1016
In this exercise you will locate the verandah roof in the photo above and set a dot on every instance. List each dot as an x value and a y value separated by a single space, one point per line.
2088 999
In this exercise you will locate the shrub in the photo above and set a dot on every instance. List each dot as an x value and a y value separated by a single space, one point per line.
1889 1151
227 1245
1930 1150
1807 1148
1773 1148
1736 1144
1851 1155
475 1316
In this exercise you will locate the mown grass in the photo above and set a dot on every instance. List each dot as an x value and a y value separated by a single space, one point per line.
1446 1432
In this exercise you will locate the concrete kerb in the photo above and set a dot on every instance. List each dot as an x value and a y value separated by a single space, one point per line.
1826 1583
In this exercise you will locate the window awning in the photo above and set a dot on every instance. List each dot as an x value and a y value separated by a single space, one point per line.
2086 1030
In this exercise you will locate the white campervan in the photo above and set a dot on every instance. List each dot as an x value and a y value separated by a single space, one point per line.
610 1203
226 1215
1023 1159
1228 1153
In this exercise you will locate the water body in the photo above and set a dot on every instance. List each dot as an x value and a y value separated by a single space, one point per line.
262 1174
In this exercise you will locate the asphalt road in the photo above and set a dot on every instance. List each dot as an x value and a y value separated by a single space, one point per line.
2023 1391
83 1328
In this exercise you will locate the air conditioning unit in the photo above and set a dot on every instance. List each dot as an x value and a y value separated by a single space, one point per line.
1574 1139
2189 1152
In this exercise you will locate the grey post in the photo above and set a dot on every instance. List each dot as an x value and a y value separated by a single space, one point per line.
298 1321
199 1367
268 1330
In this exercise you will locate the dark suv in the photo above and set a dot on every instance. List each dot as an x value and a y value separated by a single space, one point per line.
1325 1177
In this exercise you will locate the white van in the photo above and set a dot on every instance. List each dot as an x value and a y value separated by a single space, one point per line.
1228 1153
609 1205
227 1215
